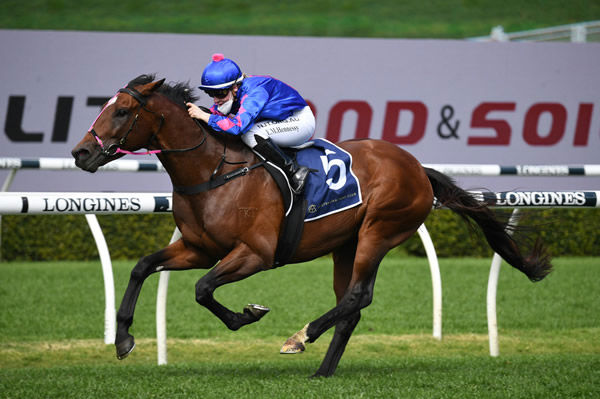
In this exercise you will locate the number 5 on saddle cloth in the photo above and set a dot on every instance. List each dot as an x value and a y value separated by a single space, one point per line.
331 187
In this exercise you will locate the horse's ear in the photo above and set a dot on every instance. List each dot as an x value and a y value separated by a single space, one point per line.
151 87
158 83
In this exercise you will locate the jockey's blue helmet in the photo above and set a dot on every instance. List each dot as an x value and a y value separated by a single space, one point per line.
220 73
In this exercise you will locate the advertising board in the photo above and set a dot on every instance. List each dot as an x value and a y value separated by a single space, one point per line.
445 101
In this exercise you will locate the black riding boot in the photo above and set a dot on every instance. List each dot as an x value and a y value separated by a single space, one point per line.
271 152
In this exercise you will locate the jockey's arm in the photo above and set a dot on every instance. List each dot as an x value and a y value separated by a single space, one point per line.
195 112
250 106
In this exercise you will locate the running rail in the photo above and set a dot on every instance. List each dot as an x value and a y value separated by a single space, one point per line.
126 165
20 203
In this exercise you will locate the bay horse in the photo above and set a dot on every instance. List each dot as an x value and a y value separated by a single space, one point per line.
233 230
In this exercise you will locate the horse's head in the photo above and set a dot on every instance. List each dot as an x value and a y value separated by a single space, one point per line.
125 124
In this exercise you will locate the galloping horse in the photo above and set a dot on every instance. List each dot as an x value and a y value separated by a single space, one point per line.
219 233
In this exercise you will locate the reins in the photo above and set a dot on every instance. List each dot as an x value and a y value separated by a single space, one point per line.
215 179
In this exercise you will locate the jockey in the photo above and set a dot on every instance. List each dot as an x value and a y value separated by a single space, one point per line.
265 112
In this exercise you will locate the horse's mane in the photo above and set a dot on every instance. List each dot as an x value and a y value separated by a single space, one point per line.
178 92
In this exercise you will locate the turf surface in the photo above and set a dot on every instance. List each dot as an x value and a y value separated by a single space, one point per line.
52 319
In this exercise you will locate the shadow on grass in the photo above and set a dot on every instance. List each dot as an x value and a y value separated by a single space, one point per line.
468 377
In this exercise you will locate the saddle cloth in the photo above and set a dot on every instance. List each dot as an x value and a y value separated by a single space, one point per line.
333 187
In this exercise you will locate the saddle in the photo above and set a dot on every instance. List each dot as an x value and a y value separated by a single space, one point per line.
330 189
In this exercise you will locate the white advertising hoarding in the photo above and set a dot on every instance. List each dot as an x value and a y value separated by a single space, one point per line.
445 101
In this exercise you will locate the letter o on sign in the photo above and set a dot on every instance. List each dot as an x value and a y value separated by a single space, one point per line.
531 133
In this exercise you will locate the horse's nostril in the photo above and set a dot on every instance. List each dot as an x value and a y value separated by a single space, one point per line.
80 154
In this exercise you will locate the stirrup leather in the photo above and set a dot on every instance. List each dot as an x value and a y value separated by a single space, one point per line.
296 174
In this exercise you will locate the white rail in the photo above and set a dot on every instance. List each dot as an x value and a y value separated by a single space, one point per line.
516 170
18 203
124 165
120 165
15 203
577 33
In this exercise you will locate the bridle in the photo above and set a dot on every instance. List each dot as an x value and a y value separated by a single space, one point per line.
115 148
215 180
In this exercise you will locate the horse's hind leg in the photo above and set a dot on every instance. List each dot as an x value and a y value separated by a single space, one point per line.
343 260
374 243
343 331
175 256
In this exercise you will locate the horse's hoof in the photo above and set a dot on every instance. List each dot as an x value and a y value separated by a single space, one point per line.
257 311
125 347
295 344
292 347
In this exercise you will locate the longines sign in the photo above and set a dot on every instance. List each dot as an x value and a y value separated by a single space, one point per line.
82 203
546 198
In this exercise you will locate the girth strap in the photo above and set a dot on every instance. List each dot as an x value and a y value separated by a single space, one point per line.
293 223
215 181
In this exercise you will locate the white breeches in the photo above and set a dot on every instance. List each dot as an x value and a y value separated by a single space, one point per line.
291 132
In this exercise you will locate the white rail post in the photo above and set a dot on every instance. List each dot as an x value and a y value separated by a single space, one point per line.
498 34
161 309
110 328
5 186
491 294
9 179
436 280
578 33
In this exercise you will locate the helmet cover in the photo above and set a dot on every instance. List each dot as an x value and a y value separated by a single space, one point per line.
220 73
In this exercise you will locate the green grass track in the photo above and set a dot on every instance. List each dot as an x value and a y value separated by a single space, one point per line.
51 328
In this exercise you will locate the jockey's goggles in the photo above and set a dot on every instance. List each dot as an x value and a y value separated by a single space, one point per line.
218 93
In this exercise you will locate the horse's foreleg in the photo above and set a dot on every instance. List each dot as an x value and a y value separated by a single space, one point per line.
237 265
175 256
124 341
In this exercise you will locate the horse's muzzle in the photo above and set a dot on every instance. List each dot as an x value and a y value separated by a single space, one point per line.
87 158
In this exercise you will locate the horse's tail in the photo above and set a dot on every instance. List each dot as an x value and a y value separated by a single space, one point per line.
536 266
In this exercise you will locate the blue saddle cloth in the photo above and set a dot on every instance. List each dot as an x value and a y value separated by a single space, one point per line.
334 187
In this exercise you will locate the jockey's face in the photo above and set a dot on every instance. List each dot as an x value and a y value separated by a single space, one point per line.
230 95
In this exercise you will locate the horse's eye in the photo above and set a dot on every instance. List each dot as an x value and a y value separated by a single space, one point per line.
121 112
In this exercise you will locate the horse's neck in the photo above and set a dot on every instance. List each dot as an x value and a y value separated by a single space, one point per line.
196 166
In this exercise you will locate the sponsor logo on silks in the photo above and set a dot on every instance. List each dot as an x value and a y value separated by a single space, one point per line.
544 198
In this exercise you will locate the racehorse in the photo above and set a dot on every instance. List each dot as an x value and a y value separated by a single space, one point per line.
233 229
